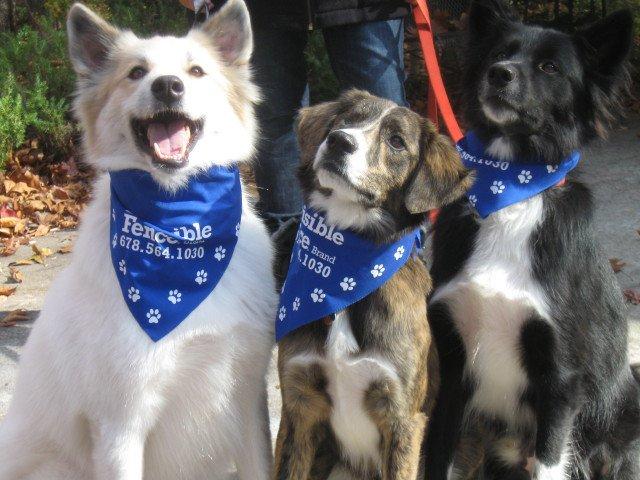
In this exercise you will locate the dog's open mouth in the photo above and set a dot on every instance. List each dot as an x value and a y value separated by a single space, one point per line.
168 137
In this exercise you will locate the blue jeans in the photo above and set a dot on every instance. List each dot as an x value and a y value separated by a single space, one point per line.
368 56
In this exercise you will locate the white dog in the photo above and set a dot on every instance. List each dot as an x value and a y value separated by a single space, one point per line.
97 398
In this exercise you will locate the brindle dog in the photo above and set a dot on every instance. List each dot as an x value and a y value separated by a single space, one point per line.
376 168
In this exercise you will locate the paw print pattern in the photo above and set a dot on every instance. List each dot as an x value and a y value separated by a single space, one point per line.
220 253
318 295
347 284
497 187
153 315
201 277
377 270
122 266
399 253
296 304
113 214
174 296
134 294
552 168
237 229
525 176
473 200
282 314
114 242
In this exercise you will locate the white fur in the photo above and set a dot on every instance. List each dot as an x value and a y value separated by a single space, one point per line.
490 299
349 374
345 213
96 399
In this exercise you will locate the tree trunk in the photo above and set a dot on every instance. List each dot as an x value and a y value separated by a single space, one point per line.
7 15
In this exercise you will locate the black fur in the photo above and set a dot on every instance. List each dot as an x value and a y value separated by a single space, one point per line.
580 384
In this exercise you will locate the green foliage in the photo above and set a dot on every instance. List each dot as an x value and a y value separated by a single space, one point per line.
37 78
14 118
322 82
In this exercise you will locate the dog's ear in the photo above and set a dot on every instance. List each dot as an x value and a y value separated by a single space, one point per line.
488 17
440 177
605 45
312 126
90 39
230 30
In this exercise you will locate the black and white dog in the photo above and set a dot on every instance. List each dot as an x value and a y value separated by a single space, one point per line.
527 316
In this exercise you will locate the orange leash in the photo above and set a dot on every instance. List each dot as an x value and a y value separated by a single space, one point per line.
437 100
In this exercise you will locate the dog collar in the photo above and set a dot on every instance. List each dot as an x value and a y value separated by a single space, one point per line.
170 250
331 269
500 183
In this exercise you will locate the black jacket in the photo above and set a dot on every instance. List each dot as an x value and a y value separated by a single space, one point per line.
306 14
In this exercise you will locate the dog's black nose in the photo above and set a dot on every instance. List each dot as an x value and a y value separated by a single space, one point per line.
168 88
500 75
339 141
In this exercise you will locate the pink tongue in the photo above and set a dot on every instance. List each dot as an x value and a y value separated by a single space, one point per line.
172 138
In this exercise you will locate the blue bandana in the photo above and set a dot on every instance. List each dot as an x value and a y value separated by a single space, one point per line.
500 183
331 269
169 250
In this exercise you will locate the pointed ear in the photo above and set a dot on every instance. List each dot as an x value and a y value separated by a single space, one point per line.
90 39
487 17
312 126
230 31
606 44
440 179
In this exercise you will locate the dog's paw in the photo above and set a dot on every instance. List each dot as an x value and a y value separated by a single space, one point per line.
318 295
497 187
134 294
282 313
122 266
174 296
296 304
201 277
525 176
399 253
377 270
220 253
154 315
347 283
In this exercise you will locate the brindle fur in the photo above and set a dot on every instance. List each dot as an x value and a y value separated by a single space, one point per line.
391 321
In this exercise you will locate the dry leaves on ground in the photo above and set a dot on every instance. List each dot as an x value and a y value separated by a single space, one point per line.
632 296
38 195
616 264
13 317
7 290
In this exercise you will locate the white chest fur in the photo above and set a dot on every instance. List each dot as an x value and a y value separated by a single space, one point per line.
490 299
349 374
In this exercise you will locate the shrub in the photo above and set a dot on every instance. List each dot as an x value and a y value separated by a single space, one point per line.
14 119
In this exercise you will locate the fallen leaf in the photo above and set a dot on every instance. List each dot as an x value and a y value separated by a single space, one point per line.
9 247
8 222
13 317
632 296
24 261
66 248
16 275
6 290
41 251
616 264
41 231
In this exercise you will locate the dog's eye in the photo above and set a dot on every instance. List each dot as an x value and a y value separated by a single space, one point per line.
196 71
396 142
549 67
137 73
